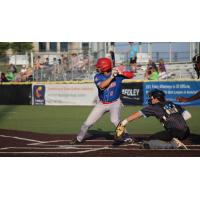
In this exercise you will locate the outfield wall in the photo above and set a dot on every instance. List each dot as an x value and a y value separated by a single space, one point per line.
15 94
85 93
135 93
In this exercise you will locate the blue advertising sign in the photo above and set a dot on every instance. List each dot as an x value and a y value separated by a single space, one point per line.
173 89
38 94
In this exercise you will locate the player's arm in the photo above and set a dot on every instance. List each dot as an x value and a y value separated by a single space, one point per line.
104 84
132 117
192 98
120 129
126 73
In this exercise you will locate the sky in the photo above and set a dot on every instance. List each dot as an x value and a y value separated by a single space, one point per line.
156 46
180 51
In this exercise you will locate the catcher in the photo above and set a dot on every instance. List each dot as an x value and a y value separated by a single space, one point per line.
172 116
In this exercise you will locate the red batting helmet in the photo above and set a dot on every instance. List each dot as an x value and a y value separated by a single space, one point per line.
104 64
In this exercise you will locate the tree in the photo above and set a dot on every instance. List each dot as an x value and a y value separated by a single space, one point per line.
21 47
4 46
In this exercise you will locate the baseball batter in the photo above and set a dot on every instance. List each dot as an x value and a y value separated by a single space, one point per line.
109 84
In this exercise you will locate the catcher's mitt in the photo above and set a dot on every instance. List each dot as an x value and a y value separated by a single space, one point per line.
119 132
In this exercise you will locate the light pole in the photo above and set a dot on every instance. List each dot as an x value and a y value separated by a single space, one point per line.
149 50
170 52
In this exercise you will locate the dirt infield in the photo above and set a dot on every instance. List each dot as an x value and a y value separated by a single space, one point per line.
28 144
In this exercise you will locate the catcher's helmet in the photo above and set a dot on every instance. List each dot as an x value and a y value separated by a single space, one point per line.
156 94
104 64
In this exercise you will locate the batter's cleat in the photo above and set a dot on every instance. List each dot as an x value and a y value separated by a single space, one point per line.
127 139
179 144
117 143
75 141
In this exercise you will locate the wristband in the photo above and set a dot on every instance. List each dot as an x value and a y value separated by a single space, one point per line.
124 122
186 115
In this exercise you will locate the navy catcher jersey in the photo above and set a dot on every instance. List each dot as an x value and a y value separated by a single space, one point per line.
112 92
168 113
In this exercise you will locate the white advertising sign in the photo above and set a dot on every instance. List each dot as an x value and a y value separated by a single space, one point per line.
70 94
19 60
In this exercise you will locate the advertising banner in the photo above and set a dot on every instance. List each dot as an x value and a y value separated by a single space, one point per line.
64 94
38 94
19 59
132 93
174 89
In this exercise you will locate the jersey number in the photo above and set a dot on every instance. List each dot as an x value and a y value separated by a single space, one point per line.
170 109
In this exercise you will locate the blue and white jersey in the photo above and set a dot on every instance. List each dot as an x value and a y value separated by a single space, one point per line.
133 51
113 91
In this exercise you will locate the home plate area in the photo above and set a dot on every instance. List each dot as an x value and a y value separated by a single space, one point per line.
29 144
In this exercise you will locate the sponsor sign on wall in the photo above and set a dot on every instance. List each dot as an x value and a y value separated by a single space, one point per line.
132 93
38 94
19 59
174 89
64 94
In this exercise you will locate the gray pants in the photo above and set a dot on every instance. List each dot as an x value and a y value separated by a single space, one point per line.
160 144
164 139
97 112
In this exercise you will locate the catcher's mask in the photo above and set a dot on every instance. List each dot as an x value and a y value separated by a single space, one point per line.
103 65
196 61
156 94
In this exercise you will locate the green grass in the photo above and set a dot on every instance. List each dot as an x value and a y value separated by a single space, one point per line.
68 119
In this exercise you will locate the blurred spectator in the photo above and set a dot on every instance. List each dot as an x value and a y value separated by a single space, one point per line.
38 63
161 66
162 70
10 76
55 61
56 67
133 56
23 69
74 61
46 61
153 74
59 61
63 59
25 73
3 78
148 71
12 68
196 61
10 73
112 56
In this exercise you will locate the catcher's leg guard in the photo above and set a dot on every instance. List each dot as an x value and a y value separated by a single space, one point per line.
157 144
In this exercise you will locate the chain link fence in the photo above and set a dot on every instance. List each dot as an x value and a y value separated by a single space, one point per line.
67 66
49 66
174 57
74 65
